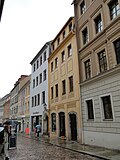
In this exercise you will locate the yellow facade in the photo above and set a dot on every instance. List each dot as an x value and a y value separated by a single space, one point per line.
63 85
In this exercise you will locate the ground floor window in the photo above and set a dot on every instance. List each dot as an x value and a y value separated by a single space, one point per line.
53 120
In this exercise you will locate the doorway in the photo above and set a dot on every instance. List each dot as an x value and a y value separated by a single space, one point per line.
73 126
61 124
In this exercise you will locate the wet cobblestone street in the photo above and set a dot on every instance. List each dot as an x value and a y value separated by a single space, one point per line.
29 149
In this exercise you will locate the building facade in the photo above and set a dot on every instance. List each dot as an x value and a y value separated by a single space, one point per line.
63 84
6 112
23 115
39 90
98 40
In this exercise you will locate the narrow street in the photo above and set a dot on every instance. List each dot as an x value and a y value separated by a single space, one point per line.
29 149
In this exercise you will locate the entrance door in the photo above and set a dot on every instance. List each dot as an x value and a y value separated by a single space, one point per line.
73 126
62 124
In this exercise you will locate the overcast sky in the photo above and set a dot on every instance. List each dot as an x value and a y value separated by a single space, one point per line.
26 25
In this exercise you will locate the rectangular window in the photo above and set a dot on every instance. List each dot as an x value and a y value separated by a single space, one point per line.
40 60
52 93
69 50
98 24
63 34
82 7
114 9
56 62
43 97
117 50
87 69
38 99
85 36
37 64
34 67
90 109
35 100
44 56
56 90
53 47
32 101
37 81
52 67
102 61
33 83
44 75
70 27
63 56
63 87
58 41
107 108
53 120
71 84
40 77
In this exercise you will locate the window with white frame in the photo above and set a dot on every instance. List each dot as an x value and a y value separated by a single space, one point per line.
98 24
40 77
90 111
82 7
107 107
44 75
37 64
85 36
43 97
34 67
38 99
40 60
102 61
45 56
114 8
69 50
37 81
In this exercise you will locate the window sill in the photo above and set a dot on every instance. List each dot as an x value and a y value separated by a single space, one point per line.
107 119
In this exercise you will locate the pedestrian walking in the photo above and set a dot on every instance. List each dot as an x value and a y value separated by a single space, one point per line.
38 129
6 139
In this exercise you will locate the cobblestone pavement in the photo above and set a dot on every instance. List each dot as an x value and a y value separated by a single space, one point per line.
29 149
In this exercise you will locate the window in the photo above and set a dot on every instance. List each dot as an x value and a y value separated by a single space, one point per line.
38 99
69 50
43 97
37 81
87 69
53 120
98 24
52 67
56 90
71 84
52 93
35 100
107 108
117 50
33 83
63 87
90 109
37 64
34 67
114 9
102 61
40 60
32 101
63 34
44 75
82 7
63 56
40 77
53 47
44 56
70 27
85 35
58 41
56 62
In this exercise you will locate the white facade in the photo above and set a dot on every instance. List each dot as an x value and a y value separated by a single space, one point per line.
100 131
39 87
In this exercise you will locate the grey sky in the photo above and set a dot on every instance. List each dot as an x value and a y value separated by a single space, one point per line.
26 25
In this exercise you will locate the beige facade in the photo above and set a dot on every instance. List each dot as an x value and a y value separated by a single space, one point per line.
6 113
98 41
23 115
63 85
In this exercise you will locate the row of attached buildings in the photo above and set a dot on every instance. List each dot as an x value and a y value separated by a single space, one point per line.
73 91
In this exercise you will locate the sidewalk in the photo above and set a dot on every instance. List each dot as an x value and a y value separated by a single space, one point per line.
98 152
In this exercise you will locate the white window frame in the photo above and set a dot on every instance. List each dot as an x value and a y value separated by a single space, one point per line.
102 110
86 110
